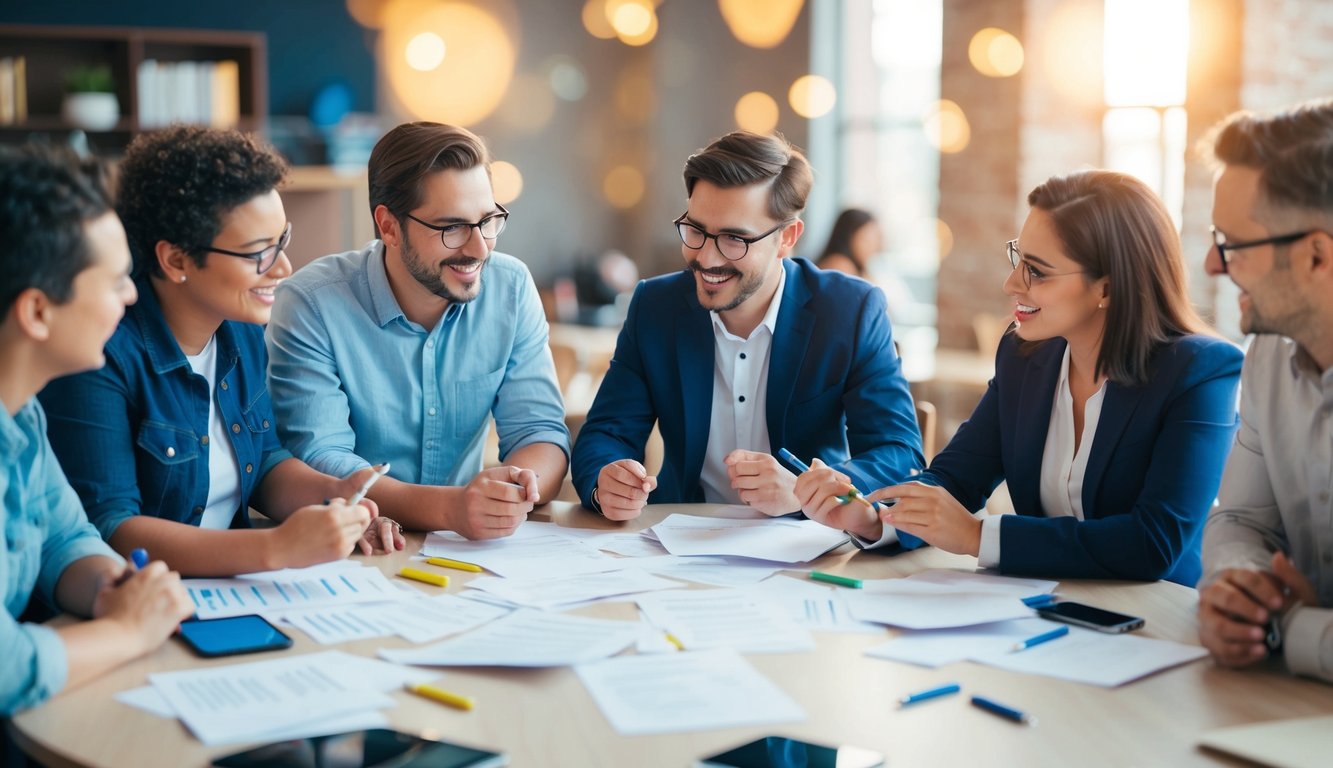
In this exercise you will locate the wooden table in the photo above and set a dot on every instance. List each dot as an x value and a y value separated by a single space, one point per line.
546 718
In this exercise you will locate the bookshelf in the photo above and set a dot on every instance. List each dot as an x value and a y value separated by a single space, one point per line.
196 60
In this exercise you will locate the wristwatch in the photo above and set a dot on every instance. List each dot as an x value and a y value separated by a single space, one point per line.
596 504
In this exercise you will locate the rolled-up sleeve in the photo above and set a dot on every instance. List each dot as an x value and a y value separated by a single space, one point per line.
35 665
1307 642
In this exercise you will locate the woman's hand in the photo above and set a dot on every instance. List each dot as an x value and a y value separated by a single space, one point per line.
383 534
931 514
818 491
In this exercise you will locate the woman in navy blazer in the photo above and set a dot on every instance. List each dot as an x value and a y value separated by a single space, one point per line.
1110 415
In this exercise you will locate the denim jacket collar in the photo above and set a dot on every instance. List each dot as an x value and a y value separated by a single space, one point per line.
164 352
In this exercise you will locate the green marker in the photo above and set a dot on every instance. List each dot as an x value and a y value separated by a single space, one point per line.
842 581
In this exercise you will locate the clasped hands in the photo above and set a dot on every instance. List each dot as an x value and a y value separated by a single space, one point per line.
1236 608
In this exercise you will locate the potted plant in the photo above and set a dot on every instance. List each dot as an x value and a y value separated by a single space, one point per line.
90 98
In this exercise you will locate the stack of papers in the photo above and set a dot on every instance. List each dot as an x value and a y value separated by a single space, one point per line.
780 540
915 604
725 618
418 620
567 591
530 552
525 638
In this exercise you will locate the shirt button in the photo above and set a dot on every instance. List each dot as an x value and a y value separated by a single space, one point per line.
224 386
170 452
430 343
265 423
203 440
249 468
197 511
430 444
430 411
742 398
236 429
742 355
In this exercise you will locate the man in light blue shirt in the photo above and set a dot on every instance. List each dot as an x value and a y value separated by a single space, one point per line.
397 353
64 285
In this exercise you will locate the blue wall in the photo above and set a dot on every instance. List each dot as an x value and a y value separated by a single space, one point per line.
310 42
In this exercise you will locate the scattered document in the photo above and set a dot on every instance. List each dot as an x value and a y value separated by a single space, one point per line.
530 552
816 606
628 544
725 618
781 540
249 702
920 605
554 592
150 700
526 638
216 598
713 571
696 691
1096 658
937 647
1301 743
418 620
985 581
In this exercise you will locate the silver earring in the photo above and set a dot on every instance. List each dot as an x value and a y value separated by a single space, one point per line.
183 280
1099 304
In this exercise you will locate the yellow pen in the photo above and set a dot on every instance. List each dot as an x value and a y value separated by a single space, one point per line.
429 578
675 641
444 697
457 565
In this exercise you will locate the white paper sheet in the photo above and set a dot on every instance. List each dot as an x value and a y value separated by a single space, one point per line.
248 702
299 588
725 618
149 699
530 552
985 581
1096 658
628 544
526 638
781 540
418 620
695 691
937 647
816 606
920 605
552 593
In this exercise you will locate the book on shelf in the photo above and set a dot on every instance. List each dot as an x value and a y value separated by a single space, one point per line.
13 90
202 92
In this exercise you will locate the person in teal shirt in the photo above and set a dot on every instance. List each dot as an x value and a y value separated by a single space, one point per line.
64 285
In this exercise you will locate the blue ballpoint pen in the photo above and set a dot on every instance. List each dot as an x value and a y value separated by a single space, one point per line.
791 459
140 558
1039 639
943 690
852 495
1039 601
1008 713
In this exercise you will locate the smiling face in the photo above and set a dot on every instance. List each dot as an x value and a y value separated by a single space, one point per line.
747 283
228 287
81 326
448 198
1061 301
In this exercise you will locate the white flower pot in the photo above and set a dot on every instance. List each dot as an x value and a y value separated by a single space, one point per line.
91 111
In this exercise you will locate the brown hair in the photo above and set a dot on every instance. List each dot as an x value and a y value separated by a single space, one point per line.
741 158
1115 227
412 151
1292 150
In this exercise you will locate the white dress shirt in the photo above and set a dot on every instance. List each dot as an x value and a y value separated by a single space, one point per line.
740 398
224 472
1062 467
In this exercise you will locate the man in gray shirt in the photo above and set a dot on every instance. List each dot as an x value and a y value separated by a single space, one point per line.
1268 547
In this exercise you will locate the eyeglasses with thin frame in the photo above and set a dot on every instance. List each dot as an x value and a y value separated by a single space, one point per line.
1031 274
1224 249
266 258
457 234
732 247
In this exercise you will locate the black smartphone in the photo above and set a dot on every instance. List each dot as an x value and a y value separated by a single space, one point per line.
782 752
237 634
363 749
1081 615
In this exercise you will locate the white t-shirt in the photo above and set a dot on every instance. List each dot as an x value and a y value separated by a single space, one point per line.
224 471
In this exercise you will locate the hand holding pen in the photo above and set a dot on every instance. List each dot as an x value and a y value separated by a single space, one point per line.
824 495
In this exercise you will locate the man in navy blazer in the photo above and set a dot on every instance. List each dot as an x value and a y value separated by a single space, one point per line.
745 352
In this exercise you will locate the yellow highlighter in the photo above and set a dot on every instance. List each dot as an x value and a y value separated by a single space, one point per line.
457 565
429 578
444 697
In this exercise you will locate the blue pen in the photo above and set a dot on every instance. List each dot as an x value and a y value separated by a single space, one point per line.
1039 639
791 459
140 558
1008 713
943 690
1039 601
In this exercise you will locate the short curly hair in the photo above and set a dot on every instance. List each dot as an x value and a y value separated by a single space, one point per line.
46 198
177 184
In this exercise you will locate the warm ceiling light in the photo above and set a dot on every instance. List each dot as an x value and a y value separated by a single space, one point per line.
812 96
631 18
1068 46
946 127
367 13
760 23
944 235
595 20
506 181
470 82
623 186
995 53
425 52
757 112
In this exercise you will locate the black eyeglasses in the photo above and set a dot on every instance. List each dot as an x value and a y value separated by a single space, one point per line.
1030 274
265 259
733 247
456 235
1224 248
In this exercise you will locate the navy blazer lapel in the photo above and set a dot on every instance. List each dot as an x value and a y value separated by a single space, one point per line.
791 339
1037 397
694 354
1118 407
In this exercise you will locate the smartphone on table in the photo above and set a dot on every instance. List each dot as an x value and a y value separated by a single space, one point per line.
1081 615
782 752
233 635
363 749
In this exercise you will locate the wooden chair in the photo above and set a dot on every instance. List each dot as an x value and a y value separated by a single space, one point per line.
928 420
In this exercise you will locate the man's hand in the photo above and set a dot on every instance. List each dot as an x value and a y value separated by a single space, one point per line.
931 514
494 503
1233 613
622 489
764 484
147 604
818 491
